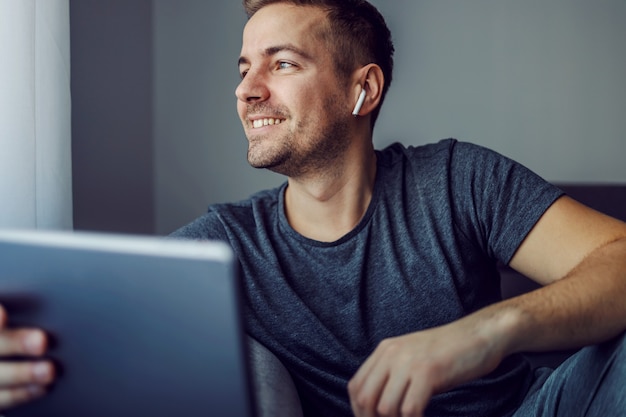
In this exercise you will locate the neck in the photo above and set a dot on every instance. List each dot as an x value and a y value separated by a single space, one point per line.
327 206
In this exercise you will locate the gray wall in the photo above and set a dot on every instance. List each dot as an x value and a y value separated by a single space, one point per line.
542 82
200 149
111 83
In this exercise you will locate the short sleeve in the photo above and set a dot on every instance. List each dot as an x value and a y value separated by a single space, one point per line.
497 201
206 227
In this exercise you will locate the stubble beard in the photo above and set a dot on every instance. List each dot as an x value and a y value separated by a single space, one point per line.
318 153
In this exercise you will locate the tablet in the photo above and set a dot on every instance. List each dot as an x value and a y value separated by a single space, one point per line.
139 326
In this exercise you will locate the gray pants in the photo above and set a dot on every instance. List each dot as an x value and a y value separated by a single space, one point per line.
591 383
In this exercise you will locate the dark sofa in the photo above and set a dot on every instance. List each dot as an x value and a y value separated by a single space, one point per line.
607 198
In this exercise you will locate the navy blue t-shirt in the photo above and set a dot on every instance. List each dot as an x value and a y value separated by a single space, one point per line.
424 254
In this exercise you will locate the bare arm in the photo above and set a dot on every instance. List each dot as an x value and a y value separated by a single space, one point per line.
580 256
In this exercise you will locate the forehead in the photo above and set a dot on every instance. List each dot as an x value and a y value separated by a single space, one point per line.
284 24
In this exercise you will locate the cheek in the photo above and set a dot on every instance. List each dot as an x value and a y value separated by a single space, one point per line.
315 107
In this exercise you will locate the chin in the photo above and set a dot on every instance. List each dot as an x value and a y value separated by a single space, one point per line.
276 165
261 162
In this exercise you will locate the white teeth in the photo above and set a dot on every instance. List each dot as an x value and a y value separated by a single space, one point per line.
265 122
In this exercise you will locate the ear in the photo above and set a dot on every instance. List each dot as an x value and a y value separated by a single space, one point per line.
371 79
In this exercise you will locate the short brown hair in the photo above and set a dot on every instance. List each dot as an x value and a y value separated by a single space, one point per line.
358 35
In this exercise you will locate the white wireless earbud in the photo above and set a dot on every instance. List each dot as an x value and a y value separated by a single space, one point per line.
359 103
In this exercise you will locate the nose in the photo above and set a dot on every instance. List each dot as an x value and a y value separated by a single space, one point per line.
252 88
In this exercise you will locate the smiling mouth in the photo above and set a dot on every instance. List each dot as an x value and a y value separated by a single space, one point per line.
266 122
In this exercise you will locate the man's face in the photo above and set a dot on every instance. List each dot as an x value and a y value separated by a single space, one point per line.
294 109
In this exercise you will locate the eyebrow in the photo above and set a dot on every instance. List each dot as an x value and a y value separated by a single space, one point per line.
273 50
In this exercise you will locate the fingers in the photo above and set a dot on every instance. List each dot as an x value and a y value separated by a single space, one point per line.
365 388
381 387
22 381
3 317
413 401
391 400
14 374
28 342
364 396
391 395
15 396
392 382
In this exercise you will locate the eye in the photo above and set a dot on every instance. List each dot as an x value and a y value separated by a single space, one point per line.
285 65
243 68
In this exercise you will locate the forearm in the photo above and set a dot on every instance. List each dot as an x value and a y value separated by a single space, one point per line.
585 307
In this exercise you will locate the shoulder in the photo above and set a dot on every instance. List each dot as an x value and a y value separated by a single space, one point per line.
220 218
444 151
441 161
396 152
457 159
258 202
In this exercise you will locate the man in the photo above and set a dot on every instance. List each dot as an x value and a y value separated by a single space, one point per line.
371 275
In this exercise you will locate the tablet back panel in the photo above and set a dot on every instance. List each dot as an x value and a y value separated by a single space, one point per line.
139 326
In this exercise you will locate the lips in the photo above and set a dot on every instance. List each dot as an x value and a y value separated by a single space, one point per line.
267 121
